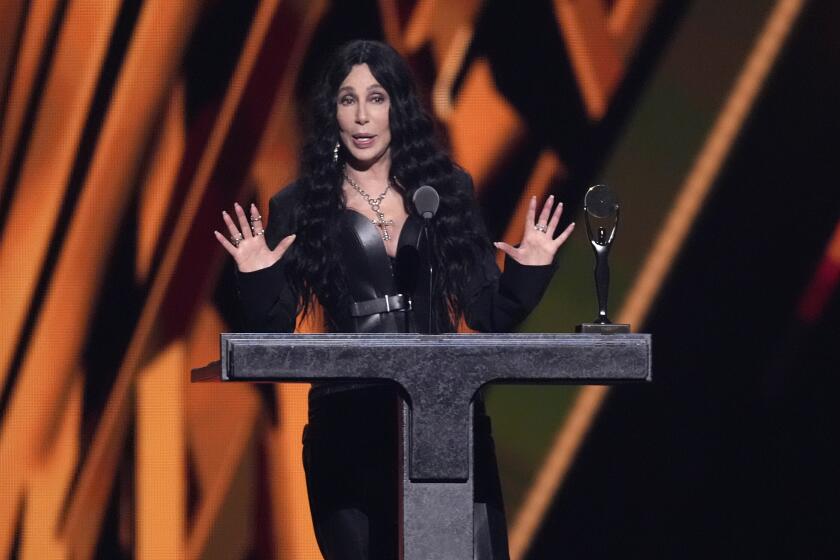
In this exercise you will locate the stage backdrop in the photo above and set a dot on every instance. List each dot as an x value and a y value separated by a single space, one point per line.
128 126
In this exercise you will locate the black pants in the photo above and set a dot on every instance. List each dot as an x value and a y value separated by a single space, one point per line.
350 456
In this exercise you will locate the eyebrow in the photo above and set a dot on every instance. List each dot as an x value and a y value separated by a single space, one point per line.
350 88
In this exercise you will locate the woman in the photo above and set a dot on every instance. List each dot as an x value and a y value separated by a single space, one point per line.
346 235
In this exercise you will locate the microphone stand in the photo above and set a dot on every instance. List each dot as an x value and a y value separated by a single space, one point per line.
426 201
427 219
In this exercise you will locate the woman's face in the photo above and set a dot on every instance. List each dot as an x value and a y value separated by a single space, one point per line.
362 108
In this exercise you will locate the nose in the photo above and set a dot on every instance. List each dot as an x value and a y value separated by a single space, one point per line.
361 113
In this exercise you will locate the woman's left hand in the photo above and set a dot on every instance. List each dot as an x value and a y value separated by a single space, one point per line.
538 245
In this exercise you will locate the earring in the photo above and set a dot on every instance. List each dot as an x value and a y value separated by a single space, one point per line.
335 152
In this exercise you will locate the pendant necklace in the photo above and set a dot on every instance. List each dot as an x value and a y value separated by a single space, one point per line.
375 203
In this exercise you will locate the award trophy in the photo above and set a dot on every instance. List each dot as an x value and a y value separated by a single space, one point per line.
601 207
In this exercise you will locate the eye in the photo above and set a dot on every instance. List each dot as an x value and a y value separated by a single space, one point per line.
346 100
377 98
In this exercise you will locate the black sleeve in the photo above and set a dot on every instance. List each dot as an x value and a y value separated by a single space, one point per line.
499 301
267 301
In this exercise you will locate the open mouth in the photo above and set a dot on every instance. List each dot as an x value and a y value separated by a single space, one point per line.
363 139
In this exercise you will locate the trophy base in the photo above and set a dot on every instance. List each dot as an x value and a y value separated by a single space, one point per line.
603 328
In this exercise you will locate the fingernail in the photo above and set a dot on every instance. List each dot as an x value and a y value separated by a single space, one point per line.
551 197
224 213
237 205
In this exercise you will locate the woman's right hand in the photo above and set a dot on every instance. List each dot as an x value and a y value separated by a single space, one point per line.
247 243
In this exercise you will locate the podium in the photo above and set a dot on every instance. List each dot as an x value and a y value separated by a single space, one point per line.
439 375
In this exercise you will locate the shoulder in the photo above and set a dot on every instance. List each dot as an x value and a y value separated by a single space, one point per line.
281 212
282 205
464 190
286 196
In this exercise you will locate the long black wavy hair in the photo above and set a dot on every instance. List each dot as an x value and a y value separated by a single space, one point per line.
313 264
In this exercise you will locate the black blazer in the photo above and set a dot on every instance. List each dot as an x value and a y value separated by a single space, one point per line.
495 302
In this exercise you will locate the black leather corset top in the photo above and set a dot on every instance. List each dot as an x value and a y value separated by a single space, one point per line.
382 288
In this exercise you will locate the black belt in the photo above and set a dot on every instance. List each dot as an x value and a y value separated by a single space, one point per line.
384 304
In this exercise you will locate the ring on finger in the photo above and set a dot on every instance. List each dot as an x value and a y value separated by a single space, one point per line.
541 227
259 233
256 218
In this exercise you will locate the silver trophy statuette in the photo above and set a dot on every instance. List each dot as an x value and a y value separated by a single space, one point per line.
601 210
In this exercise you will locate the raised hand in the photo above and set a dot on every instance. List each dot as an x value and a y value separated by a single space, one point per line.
538 245
247 243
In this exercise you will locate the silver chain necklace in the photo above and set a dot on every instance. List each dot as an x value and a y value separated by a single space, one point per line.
375 203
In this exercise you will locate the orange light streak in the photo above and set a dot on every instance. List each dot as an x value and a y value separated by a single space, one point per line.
442 103
483 128
50 481
628 20
595 59
159 183
160 456
32 46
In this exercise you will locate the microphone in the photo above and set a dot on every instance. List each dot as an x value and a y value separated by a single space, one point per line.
426 201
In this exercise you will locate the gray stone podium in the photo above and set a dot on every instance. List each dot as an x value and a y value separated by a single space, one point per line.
439 376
